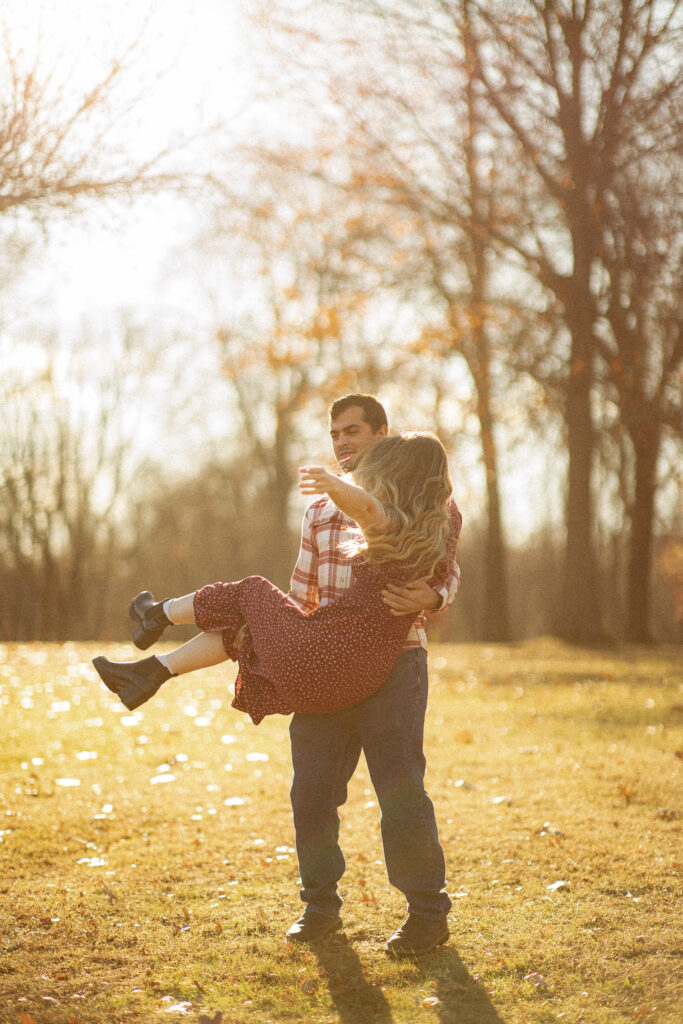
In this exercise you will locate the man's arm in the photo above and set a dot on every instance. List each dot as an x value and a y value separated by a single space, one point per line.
411 599
418 597
450 587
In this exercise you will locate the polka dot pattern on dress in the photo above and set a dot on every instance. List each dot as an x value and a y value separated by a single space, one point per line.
321 661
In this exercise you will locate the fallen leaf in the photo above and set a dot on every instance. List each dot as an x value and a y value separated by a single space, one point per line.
667 814
546 830
536 979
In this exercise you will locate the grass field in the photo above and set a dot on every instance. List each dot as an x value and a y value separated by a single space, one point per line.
147 870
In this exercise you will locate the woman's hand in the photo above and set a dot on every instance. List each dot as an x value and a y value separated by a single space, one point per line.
315 480
349 498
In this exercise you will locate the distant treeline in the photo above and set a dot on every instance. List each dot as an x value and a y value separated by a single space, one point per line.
480 220
72 573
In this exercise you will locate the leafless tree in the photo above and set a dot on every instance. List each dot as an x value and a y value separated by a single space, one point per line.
563 97
300 340
640 346
62 143
71 467
407 149
576 89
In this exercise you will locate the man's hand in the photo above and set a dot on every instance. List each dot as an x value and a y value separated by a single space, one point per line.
411 599
315 479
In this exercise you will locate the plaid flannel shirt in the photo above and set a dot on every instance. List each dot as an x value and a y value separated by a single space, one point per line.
322 572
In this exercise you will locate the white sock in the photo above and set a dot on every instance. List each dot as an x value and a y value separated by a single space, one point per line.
167 609
164 661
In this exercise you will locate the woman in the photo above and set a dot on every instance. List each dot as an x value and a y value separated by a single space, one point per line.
337 655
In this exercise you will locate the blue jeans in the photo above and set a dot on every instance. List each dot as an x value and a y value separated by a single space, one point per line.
389 729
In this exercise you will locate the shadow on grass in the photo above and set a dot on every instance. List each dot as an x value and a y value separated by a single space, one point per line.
459 998
356 1000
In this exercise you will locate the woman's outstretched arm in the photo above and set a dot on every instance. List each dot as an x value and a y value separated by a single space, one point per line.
354 501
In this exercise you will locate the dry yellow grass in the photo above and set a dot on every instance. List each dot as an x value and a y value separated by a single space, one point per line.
147 869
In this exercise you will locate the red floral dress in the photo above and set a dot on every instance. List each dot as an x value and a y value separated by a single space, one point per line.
320 661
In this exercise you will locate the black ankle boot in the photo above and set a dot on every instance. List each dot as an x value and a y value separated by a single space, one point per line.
133 682
417 936
150 617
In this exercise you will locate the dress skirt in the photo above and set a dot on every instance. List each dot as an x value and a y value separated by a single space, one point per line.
293 661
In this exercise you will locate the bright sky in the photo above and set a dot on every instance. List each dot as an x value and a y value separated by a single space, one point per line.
103 263
199 44
200 50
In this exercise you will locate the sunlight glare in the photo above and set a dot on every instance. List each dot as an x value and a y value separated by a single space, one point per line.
188 72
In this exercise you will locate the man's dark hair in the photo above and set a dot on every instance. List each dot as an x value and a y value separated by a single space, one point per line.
373 411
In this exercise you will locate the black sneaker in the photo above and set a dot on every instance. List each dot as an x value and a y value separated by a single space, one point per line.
311 927
150 617
417 936
133 682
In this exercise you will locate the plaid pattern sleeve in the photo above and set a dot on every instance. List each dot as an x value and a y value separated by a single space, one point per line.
322 571
449 586
304 583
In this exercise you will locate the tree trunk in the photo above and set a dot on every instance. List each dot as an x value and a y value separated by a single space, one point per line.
646 442
581 621
496 620
281 486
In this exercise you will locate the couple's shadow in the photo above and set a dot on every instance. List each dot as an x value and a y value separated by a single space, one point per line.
458 997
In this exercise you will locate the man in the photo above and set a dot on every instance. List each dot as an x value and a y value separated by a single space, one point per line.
388 728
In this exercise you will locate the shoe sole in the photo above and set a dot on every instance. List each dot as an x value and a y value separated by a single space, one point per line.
127 692
143 638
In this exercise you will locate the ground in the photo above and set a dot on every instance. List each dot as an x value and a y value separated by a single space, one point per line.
147 869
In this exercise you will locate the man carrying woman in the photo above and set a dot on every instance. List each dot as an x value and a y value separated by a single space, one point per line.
345 652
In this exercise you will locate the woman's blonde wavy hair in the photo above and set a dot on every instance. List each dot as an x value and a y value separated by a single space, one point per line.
408 474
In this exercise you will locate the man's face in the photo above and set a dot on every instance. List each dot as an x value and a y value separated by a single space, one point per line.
351 435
